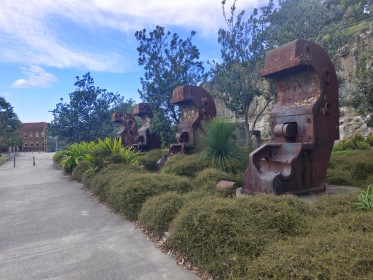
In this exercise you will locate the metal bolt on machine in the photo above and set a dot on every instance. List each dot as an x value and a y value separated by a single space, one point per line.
303 122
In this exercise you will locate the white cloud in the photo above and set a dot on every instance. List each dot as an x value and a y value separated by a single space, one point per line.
29 33
36 77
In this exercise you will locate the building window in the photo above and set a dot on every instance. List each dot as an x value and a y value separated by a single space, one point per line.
42 144
25 135
37 144
25 144
37 134
42 134
31 144
30 134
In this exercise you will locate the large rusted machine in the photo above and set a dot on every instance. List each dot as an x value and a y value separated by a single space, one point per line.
127 127
145 140
303 122
196 105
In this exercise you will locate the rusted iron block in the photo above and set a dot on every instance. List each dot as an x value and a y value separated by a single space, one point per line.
229 186
303 122
145 140
196 105
127 127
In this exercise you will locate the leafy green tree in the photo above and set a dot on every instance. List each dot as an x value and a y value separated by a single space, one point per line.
241 51
169 62
9 126
87 116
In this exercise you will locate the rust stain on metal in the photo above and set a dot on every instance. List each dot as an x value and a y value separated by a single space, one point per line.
303 123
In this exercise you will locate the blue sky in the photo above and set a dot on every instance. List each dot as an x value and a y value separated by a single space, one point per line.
45 44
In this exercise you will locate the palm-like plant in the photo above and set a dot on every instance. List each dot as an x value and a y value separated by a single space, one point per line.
365 200
216 145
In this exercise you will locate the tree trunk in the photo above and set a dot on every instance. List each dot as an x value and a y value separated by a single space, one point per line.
247 141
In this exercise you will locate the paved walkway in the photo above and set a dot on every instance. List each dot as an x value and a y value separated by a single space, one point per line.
52 229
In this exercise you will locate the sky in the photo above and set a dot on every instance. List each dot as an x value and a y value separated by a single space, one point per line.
46 44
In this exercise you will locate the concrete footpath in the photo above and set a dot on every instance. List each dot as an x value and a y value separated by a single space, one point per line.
52 229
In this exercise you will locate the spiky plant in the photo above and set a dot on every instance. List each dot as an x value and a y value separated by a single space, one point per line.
365 200
216 145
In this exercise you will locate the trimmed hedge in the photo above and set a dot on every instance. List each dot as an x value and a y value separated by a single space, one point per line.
207 179
183 165
128 194
341 255
158 211
222 235
149 159
78 172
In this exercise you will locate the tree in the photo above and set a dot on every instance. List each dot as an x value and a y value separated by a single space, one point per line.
241 51
169 62
87 116
9 126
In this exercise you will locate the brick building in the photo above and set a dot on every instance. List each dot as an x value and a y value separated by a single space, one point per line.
34 136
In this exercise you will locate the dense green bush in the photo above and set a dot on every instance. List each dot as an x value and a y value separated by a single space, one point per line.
351 168
331 205
149 159
80 169
183 165
207 179
112 175
341 255
355 142
58 156
158 211
222 235
127 195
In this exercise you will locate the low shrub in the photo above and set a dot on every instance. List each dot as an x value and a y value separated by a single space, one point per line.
222 235
351 168
129 193
79 170
353 221
58 156
183 165
158 211
149 159
207 179
355 142
345 255
109 176
331 205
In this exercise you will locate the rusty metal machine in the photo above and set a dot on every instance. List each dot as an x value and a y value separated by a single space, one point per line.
127 127
196 105
145 140
303 122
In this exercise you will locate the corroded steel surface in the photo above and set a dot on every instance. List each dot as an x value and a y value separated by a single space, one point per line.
145 140
196 105
127 127
303 123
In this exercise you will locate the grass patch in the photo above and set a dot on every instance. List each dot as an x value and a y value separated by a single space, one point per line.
352 168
